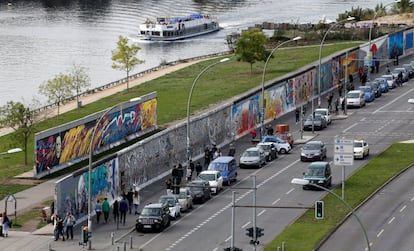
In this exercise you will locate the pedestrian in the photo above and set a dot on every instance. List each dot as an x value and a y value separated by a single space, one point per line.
58 228
69 222
198 168
115 211
340 88
343 105
6 223
360 72
130 198
137 200
387 70
105 209
98 210
330 98
123 209
337 106
169 184
253 133
232 150
207 157
270 130
217 153
189 174
180 174
297 115
192 166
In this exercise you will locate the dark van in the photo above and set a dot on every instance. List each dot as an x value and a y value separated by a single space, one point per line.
227 167
318 173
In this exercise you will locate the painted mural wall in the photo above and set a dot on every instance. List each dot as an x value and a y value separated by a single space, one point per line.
68 144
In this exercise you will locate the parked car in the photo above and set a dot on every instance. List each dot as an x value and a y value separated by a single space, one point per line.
410 70
173 205
214 179
355 98
313 150
396 71
383 84
252 157
287 137
154 216
185 199
392 83
318 122
270 150
227 166
200 190
281 146
318 173
361 149
376 88
325 113
369 93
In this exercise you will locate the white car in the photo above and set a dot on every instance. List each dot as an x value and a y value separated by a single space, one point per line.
392 83
281 146
325 113
355 98
173 205
361 149
214 179
185 199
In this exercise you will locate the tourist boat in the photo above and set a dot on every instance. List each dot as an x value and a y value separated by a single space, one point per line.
175 28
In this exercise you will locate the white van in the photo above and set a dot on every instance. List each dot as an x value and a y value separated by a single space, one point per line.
355 98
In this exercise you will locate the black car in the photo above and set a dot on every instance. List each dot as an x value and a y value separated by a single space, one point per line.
376 87
200 190
153 217
313 150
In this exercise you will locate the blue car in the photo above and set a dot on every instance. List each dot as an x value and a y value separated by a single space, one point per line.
227 167
369 93
383 84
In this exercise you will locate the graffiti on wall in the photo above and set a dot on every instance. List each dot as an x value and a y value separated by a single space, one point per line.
72 192
395 44
304 86
69 143
246 114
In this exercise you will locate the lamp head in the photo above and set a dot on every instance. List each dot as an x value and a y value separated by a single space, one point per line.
224 60
350 18
297 38
299 181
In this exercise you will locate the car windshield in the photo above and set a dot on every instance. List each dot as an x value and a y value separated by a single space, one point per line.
207 176
150 211
318 172
388 77
218 166
365 88
182 195
250 154
322 112
353 95
313 146
357 144
317 117
265 148
169 200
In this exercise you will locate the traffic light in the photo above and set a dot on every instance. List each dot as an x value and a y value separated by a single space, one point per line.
249 232
259 232
319 210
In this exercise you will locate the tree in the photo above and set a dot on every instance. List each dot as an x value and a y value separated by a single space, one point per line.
21 119
79 79
251 48
57 90
124 56
404 6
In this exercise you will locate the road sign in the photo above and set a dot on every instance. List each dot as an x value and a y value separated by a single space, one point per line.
344 151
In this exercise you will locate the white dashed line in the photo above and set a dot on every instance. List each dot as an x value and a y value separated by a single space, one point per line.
262 212
245 225
380 232
291 190
392 219
403 208
276 201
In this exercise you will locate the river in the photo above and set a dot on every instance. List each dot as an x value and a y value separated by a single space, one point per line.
40 39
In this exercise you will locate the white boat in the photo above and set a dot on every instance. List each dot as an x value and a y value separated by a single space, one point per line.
175 28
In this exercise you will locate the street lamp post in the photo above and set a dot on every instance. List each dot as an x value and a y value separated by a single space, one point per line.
188 106
306 182
14 150
263 81
90 164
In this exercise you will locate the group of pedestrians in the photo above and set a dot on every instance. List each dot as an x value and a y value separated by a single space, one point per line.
62 226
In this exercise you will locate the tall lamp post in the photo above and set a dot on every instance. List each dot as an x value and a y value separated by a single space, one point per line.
14 150
90 164
320 57
189 102
372 24
263 81
306 182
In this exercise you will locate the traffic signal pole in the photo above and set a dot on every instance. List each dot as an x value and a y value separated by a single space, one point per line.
254 213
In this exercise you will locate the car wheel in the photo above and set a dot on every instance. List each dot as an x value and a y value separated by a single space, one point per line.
282 150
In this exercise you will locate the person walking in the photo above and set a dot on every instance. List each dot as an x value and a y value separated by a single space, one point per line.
130 198
6 223
232 150
297 115
69 222
115 211
198 168
59 228
330 99
207 157
123 209
98 210
169 185
137 200
105 209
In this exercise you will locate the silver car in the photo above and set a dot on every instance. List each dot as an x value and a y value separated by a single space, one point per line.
252 157
313 150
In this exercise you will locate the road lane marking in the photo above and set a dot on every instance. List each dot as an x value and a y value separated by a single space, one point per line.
403 208
276 201
380 232
392 219
228 238
350 127
393 101
245 225
412 199
291 190
262 212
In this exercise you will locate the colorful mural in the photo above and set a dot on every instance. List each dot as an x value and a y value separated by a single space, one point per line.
396 44
68 144
246 114
304 86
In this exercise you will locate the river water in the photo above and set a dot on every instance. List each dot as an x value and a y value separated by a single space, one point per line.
40 39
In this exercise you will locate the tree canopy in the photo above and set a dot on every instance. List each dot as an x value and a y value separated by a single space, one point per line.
124 56
251 48
57 90
79 79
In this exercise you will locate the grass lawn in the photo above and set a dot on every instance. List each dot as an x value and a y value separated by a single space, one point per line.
306 232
